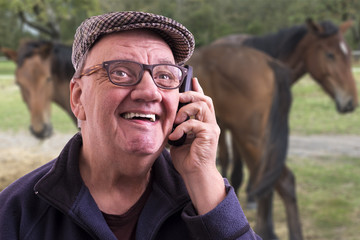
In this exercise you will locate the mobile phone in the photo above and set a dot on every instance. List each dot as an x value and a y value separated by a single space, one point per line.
185 86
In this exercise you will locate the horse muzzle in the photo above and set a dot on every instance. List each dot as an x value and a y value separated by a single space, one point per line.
347 107
45 132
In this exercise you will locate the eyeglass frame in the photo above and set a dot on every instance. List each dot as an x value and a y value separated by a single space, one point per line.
105 65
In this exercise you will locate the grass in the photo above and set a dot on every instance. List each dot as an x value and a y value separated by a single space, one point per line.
328 198
7 67
329 194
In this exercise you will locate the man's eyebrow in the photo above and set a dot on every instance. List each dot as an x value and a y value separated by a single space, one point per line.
166 61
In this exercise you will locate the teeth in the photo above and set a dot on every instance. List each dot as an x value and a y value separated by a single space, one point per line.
151 117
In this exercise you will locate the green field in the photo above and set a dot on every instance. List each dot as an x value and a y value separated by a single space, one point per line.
328 199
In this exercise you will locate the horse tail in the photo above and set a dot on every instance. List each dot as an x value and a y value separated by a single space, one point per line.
273 158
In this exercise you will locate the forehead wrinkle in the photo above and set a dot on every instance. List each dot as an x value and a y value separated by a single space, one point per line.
149 56
144 41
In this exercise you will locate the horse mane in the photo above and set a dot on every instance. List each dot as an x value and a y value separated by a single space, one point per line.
27 49
328 28
60 54
61 64
282 43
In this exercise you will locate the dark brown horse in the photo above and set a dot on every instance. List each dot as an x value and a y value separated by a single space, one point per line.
43 72
252 98
317 49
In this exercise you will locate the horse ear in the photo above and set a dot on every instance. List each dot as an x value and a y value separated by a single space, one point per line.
45 50
345 26
9 53
312 26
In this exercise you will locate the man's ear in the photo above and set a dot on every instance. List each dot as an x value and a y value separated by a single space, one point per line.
75 100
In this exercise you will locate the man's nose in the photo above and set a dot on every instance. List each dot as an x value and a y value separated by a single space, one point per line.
146 89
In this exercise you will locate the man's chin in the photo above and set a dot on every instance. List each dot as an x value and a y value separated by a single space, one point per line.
147 147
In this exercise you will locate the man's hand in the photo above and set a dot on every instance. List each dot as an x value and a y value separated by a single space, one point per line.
196 159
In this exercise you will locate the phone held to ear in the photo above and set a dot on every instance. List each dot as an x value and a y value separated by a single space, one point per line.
185 86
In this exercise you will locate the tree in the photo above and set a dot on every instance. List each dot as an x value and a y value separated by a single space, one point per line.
207 19
47 19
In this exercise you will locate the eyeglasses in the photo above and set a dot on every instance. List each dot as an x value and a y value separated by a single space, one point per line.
129 73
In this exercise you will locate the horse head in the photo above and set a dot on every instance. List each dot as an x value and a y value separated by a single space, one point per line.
33 77
327 58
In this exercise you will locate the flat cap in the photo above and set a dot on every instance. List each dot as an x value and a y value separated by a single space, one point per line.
178 37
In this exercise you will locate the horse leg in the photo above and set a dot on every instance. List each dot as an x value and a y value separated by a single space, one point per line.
223 158
237 176
250 201
285 186
237 172
264 221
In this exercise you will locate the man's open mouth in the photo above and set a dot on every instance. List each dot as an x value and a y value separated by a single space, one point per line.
141 116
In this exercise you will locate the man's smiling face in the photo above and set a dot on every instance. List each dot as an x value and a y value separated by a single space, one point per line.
133 119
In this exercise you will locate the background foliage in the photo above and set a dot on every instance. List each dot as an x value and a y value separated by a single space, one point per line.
207 19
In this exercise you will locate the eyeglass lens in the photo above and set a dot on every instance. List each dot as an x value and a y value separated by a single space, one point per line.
130 73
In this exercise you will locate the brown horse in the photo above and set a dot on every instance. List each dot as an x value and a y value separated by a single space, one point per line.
315 48
319 49
43 72
252 98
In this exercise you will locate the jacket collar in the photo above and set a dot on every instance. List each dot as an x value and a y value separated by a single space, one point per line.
61 185
63 188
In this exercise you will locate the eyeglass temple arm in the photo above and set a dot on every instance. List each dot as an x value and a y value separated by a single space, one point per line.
90 70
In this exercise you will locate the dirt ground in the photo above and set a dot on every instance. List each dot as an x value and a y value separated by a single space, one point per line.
324 145
21 152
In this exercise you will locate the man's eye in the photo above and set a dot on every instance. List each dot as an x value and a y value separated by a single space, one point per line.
165 75
119 73
122 73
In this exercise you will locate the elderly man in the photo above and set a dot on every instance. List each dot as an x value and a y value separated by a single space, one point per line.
115 179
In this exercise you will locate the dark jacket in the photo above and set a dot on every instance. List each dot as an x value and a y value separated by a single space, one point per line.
53 202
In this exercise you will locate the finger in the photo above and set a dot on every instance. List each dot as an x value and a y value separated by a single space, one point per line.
196 85
197 110
195 129
193 97
185 128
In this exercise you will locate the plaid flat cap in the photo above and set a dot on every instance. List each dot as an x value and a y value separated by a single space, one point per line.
180 39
